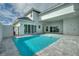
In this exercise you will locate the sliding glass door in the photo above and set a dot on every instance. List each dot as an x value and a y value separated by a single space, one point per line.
32 28
25 29
28 29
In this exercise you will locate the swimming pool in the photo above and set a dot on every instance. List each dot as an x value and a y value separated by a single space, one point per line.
28 46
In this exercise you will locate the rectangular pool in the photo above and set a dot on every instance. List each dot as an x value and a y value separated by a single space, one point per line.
28 46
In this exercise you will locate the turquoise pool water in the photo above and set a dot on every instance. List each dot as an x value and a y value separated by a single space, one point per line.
28 46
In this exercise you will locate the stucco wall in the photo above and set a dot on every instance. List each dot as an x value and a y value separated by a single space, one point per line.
35 16
76 6
7 31
71 26
0 32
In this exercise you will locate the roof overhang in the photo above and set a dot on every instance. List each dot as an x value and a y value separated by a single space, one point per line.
32 9
63 11
62 17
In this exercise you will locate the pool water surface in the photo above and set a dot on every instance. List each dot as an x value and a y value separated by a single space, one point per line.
28 46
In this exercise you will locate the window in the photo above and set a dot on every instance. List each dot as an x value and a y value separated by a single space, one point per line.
56 29
39 26
35 28
25 29
51 29
46 28
32 28
28 28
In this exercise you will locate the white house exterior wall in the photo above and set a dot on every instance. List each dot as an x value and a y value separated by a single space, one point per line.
7 31
71 26
70 23
35 16
65 17
21 28
0 32
54 23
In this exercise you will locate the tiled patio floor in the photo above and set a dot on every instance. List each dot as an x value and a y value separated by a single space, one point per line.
9 48
65 46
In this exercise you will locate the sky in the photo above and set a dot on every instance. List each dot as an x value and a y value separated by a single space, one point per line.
9 12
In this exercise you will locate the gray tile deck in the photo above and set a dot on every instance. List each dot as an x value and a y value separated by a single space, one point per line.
9 48
65 46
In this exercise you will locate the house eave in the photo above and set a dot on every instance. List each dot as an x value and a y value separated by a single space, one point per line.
46 11
32 9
